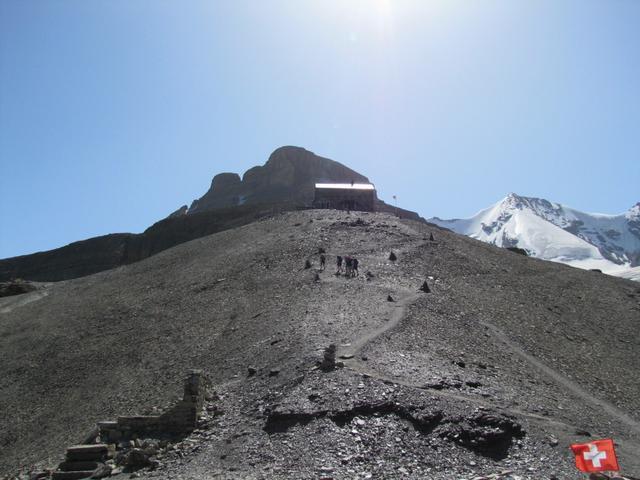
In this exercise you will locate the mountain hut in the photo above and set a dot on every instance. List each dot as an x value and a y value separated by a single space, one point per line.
345 196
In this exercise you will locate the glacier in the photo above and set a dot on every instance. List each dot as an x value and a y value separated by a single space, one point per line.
555 232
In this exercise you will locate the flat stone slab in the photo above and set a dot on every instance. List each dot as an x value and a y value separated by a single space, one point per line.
108 424
134 418
89 453
97 448
71 475
78 466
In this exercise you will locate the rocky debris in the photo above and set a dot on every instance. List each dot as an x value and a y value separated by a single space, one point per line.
251 371
135 459
393 257
369 275
489 435
274 372
316 277
504 475
329 359
280 421
425 287
356 223
16 287
102 471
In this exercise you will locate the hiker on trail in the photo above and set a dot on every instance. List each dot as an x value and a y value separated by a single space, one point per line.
354 265
322 261
348 265
339 264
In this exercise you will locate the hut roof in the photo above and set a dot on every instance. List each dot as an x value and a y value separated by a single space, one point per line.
345 186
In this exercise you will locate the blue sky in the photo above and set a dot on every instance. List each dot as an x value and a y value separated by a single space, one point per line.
113 113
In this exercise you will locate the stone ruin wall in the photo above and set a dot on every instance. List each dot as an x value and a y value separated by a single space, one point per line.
180 418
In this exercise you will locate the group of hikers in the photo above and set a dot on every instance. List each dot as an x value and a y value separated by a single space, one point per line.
350 266
347 265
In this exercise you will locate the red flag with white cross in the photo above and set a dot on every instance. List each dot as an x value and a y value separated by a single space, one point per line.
596 456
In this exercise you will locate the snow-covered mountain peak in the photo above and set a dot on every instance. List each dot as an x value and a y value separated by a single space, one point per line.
552 231
634 212
513 200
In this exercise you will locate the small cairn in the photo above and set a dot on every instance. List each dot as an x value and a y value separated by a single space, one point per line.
425 287
307 264
431 239
390 298
329 360
392 257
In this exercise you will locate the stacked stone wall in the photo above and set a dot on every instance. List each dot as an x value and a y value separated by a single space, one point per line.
180 418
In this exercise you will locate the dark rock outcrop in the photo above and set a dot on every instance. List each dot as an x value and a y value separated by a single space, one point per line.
289 175
179 212
16 287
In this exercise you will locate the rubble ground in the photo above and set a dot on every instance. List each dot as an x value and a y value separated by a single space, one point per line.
494 369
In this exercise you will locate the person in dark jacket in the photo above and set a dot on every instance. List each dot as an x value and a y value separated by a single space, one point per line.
348 262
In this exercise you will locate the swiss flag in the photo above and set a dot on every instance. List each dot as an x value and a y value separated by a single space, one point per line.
596 456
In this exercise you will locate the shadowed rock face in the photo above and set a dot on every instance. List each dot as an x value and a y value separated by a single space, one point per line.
288 176
110 251
285 182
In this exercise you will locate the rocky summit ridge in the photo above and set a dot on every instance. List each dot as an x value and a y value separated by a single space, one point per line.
285 182
289 174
